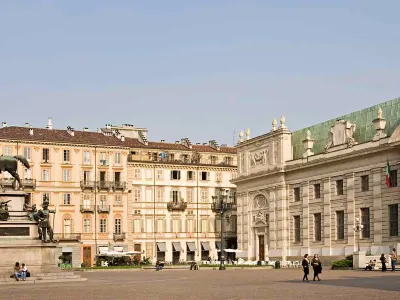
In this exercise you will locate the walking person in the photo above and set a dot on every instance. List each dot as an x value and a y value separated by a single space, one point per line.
383 261
393 257
317 266
305 263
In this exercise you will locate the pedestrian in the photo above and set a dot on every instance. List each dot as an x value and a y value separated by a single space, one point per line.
24 271
306 269
393 257
17 271
383 261
317 266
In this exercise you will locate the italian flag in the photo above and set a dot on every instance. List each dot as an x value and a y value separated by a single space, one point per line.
388 174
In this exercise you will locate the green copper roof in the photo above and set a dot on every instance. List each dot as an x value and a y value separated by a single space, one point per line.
364 127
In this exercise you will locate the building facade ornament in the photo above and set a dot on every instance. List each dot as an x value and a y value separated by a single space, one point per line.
341 133
283 120
308 144
258 158
260 217
274 123
379 124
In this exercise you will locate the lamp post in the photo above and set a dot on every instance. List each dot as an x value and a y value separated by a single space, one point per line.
357 229
222 203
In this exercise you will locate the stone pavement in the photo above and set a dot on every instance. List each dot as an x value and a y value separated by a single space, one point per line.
214 284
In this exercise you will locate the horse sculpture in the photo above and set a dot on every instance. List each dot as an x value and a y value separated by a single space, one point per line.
9 164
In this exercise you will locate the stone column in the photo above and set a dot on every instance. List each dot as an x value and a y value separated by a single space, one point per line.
377 207
351 215
326 225
272 221
306 218
282 230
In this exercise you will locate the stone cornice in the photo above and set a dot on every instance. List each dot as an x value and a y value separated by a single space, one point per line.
167 165
272 134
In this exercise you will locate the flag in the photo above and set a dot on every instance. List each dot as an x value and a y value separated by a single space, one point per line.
388 174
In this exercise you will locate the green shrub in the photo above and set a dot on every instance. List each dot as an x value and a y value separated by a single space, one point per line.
342 264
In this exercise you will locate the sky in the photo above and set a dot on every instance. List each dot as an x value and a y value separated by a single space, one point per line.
199 69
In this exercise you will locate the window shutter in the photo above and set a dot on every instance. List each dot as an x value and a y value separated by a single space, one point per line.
171 196
179 174
172 172
165 225
142 225
179 196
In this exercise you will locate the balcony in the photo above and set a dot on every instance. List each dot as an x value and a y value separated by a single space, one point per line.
67 237
7 182
176 206
85 184
191 160
103 209
104 185
119 237
29 183
87 208
119 185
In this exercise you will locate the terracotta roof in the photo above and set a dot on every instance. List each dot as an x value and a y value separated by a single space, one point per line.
94 138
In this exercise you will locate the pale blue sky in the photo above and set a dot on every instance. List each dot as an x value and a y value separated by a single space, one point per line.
196 69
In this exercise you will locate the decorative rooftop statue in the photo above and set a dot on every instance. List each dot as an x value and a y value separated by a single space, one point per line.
9 164
341 133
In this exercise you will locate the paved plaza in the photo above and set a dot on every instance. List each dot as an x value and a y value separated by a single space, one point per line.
210 284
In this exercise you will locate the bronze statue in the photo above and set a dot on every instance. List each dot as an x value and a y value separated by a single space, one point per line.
4 214
9 164
44 226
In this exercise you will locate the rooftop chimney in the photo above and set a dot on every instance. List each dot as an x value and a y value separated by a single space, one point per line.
176 142
30 130
85 129
108 126
26 125
4 124
122 138
162 141
71 131
49 124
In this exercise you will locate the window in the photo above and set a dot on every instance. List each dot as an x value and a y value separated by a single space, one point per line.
45 175
66 156
46 196
7 151
339 187
117 177
365 222
137 227
175 196
117 226
66 175
204 176
137 174
86 177
86 201
137 196
117 158
160 225
190 225
317 191
204 226
204 196
86 226
27 153
393 178
394 220
67 226
175 225
228 160
296 192
67 199
46 155
175 175
103 200
117 200
103 158
160 174
317 227
86 157
189 195
171 156
364 183
190 175
218 177
136 212
103 225
28 174
148 174
296 220
340 225
160 195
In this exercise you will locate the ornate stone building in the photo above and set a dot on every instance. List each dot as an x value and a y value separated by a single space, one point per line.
115 188
302 192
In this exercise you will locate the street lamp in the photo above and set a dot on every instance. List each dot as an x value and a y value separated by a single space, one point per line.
357 229
222 203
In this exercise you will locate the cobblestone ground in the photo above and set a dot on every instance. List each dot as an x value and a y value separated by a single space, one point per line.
214 284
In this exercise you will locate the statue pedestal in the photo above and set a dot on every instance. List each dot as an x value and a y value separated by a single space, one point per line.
19 240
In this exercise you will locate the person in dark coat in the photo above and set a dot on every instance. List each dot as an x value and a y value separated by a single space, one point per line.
306 269
317 266
383 261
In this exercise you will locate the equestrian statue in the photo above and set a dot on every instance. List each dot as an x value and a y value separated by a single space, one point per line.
9 164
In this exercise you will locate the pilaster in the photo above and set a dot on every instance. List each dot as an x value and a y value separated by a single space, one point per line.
327 232
377 207
282 221
351 214
306 218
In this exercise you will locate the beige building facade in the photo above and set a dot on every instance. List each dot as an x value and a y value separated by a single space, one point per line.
303 192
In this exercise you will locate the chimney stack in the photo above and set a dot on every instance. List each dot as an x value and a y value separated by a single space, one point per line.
26 125
71 131
122 138
85 129
4 124
162 141
49 124
30 130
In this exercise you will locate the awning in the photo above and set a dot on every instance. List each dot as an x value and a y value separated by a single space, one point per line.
177 246
191 246
118 248
161 247
205 246
66 249
218 245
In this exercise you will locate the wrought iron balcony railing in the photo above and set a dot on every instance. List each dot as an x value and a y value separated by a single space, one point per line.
26 183
103 209
29 183
119 185
87 208
176 205
85 184
119 236
104 185
67 236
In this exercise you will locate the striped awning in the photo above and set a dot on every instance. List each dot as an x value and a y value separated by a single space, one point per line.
205 246
177 246
218 245
161 247
191 246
